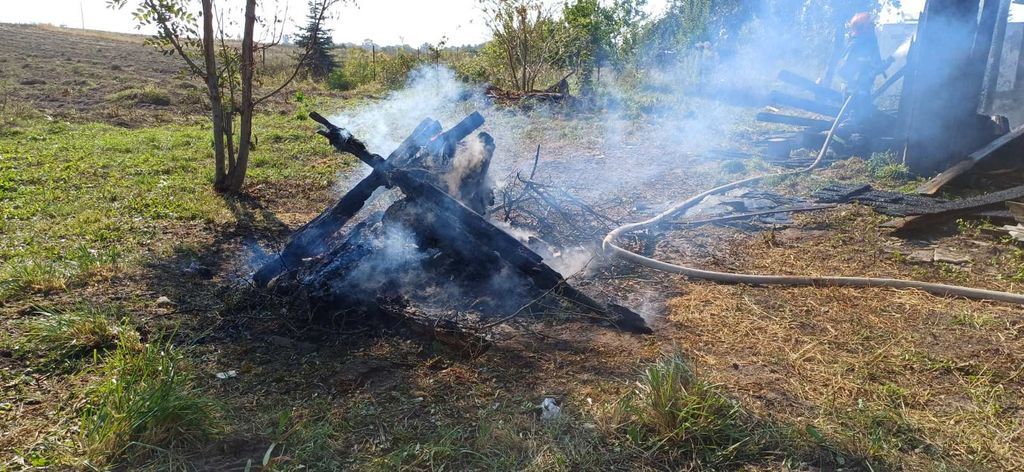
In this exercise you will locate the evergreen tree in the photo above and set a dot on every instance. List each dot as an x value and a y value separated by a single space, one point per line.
316 38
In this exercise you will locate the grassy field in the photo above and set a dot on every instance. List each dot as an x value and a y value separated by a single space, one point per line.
101 220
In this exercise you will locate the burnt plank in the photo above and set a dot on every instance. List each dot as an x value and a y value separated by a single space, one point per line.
794 120
310 239
490 239
787 100
962 207
821 92
1007 144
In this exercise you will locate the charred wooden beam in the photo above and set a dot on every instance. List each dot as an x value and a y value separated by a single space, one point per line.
819 91
787 100
962 207
947 60
310 240
457 216
889 82
794 120
1008 144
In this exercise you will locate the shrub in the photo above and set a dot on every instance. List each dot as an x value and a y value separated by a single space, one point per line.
146 408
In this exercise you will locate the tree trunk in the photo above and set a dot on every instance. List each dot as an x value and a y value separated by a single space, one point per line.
213 90
524 38
236 176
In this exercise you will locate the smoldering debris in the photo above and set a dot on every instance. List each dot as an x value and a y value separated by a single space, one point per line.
432 257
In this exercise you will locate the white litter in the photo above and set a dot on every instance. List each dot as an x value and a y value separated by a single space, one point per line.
549 410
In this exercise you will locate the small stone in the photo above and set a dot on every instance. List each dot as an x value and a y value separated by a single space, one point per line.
227 374
549 410
921 255
950 257
281 341
164 302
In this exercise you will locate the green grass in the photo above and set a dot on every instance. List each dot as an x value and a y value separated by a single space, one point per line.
84 200
673 412
148 94
76 333
146 409
888 167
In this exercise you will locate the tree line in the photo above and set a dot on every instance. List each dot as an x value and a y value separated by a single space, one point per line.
532 46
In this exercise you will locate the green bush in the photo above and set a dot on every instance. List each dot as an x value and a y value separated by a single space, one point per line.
359 68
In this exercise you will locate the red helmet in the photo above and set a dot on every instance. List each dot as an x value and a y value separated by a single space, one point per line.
861 23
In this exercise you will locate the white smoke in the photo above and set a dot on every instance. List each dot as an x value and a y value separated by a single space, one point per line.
469 159
430 91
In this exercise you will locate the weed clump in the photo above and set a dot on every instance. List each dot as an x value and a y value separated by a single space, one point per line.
145 95
673 412
888 167
68 335
146 409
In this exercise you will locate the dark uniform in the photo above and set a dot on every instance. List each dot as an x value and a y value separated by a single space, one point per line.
859 65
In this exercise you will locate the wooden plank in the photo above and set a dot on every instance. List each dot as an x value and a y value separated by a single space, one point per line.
1017 210
787 100
963 207
310 239
941 89
455 216
794 120
995 148
895 77
819 91
889 203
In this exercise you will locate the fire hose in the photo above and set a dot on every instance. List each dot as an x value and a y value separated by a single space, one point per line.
610 246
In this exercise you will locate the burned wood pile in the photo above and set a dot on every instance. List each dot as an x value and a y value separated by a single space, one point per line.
920 211
816 108
557 93
512 97
561 219
431 259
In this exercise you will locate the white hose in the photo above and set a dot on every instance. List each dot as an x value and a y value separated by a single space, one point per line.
789 280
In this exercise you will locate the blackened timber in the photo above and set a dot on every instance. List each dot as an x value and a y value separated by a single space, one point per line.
819 91
962 207
459 217
310 239
946 61
1010 144
793 120
444 145
889 82
787 100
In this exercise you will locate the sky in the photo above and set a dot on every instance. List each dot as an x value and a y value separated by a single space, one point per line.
386 22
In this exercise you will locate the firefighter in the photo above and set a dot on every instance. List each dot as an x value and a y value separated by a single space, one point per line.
859 65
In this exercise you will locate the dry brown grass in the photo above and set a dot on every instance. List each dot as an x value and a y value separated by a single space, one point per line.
905 379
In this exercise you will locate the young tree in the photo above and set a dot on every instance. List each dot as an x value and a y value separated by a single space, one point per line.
524 32
595 34
316 39
228 71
